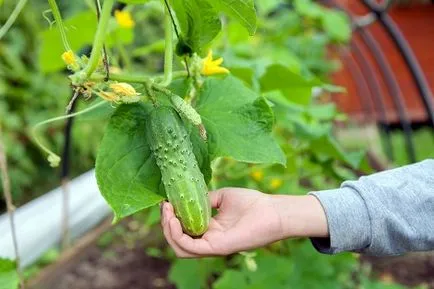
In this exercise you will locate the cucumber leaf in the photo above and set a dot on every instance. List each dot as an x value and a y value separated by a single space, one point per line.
293 86
231 279
200 150
241 10
198 23
194 273
126 172
238 122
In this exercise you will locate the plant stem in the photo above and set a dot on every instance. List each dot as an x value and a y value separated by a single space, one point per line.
136 78
38 125
171 18
59 23
104 50
66 237
100 35
123 54
9 205
168 48
177 74
4 29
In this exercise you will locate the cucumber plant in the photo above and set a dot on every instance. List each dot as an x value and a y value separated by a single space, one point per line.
164 131
215 112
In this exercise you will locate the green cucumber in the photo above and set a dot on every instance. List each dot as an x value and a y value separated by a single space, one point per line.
182 179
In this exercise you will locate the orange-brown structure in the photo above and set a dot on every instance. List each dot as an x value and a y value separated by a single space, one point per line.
416 22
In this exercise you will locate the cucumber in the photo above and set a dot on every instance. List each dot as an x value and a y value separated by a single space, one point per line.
182 179
186 110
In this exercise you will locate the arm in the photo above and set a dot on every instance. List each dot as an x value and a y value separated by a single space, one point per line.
387 213
383 214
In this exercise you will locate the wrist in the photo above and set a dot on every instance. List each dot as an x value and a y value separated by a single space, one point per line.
300 216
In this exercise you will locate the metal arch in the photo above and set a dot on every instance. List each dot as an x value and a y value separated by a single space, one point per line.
361 85
407 53
391 82
394 89
376 94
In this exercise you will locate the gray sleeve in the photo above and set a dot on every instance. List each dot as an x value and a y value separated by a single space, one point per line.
387 213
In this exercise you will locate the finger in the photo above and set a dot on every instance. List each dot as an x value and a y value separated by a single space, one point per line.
162 220
167 215
194 246
167 212
216 198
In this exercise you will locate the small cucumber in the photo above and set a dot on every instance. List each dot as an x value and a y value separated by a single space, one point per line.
186 110
182 179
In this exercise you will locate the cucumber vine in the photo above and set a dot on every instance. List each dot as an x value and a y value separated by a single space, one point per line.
137 95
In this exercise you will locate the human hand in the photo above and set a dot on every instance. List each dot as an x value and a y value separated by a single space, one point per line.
246 219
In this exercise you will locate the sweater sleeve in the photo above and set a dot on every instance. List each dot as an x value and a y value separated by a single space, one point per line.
387 213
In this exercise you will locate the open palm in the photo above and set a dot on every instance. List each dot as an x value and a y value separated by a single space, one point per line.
246 219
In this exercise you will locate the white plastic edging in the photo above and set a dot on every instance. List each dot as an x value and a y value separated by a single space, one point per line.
39 222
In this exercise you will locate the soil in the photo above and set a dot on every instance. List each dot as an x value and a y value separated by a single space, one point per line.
122 268
116 259
410 270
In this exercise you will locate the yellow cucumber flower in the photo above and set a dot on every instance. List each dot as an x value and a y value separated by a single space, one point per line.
257 175
123 88
126 92
69 57
124 19
210 66
275 183
109 96
70 60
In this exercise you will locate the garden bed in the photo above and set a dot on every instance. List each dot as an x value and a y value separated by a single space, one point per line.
116 267
411 270
110 258
113 257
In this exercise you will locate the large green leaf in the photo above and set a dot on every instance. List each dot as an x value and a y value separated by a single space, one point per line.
231 279
241 10
127 174
8 274
238 122
273 272
327 147
194 273
199 24
295 87
324 145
